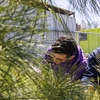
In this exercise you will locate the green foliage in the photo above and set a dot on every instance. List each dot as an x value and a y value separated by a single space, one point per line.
22 19
22 74
55 87
18 24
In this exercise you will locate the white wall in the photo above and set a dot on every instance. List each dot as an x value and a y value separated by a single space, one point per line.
54 24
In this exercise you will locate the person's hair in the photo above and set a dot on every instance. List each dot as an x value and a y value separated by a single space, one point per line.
65 45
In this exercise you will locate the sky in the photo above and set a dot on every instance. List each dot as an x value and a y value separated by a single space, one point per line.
64 4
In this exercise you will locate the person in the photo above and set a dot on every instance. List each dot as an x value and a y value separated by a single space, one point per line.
91 75
66 57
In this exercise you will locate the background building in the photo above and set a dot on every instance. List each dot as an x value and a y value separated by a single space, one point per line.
55 26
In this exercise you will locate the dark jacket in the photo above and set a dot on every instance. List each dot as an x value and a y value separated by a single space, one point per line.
93 67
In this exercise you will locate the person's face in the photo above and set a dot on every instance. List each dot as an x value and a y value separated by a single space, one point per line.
58 58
